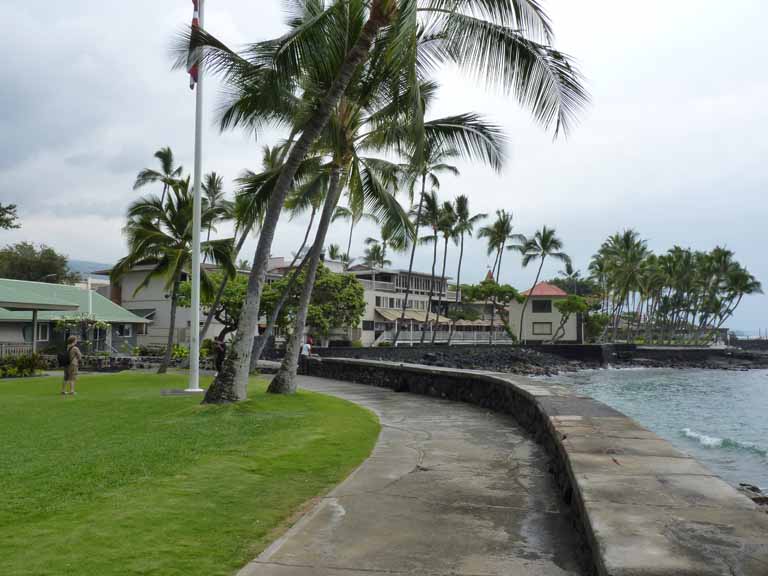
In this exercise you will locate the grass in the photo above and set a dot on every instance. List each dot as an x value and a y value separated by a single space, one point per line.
119 480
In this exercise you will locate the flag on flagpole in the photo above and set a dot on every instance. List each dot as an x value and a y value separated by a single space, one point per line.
193 58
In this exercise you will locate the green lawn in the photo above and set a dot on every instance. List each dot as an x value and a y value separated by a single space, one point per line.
119 480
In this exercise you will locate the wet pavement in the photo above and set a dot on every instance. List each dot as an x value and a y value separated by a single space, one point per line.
450 488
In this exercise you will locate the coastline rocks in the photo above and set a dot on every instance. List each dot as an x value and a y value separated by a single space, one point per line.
754 493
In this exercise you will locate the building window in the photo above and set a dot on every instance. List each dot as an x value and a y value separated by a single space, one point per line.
391 302
124 330
368 325
142 329
42 332
542 328
541 306
378 301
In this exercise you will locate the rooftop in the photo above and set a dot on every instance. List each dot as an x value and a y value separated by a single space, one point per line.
547 290
58 301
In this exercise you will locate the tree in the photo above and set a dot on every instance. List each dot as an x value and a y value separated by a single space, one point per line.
542 245
568 307
497 236
375 256
215 200
159 233
465 226
8 217
447 227
225 310
428 215
500 295
25 261
507 44
570 275
338 301
167 175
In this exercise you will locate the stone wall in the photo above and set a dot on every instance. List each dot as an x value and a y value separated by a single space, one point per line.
640 505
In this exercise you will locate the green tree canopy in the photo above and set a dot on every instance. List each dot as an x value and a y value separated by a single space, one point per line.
226 309
8 217
337 301
25 261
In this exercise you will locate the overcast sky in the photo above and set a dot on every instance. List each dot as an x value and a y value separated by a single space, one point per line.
674 143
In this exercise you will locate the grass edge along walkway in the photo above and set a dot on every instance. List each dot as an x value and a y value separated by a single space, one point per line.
119 480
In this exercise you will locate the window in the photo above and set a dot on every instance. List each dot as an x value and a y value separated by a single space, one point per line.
542 328
368 325
124 330
391 302
142 329
42 332
378 301
541 306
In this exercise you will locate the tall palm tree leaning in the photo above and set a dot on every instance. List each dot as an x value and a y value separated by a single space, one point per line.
167 174
447 227
497 235
507 43
542 245
465 226
159 234
430 218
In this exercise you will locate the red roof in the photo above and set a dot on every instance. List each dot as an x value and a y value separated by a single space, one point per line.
544 289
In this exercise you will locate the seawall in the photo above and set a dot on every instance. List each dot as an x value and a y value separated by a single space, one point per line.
642 506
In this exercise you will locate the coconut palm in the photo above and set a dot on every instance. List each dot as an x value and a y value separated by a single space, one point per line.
159 234
333 251
375 256
167 174
505 43
464 226
542 245
499 237
570 275
427 215
215 199
447 227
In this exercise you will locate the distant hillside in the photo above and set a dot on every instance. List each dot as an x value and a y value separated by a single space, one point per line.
85 268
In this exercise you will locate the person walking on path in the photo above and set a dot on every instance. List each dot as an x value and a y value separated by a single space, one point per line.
70 369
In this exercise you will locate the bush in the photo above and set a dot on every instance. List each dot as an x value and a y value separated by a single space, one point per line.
206 349
179 352
21 366
357 344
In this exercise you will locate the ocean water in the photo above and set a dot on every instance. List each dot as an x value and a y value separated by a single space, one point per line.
718 417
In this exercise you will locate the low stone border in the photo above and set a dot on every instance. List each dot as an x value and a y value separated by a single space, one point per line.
643 507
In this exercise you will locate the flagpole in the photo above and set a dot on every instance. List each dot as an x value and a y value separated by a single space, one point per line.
194 325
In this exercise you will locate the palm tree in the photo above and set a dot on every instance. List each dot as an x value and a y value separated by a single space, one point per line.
159 234
506 44
333 251
430 218
167 174
447 227
570 275
464 226
497 235
215 199
375 256
542 245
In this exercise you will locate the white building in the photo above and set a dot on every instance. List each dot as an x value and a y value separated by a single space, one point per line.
542 318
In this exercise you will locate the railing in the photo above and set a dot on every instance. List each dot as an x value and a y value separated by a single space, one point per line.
408 337
15 349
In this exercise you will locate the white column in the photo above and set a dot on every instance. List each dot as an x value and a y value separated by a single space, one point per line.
34 331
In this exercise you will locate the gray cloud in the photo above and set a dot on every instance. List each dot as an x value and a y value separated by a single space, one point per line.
673 144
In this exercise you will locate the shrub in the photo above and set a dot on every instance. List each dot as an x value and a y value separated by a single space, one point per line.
20 366
206 348
179 352
357 344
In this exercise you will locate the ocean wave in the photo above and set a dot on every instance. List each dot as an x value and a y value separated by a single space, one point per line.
714 442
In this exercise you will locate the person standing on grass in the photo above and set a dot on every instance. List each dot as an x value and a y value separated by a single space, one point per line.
70 369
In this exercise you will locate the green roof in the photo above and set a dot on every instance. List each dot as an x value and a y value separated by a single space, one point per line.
61 296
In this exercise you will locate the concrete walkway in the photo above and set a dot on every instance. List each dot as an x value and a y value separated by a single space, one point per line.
449 489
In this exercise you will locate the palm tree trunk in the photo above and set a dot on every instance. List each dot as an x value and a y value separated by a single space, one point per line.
349 241
431 291
493 300
410 263
172 326
284 381
458 287
525 304
231 382
224 282
260 341
440 294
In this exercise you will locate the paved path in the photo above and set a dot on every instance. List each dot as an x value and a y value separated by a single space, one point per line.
449 489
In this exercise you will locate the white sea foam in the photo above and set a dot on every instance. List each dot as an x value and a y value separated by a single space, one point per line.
714 442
